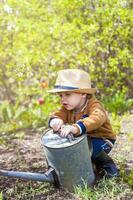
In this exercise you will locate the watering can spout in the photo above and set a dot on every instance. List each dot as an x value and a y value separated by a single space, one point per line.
48 176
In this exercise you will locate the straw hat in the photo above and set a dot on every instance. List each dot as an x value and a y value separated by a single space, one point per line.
74 80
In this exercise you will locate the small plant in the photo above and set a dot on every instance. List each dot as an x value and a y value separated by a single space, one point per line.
116 122
118 103
127 176
130 178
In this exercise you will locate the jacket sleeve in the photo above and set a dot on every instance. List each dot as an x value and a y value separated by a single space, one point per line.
96 119
61 113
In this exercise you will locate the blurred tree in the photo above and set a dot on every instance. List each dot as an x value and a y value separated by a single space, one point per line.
38 37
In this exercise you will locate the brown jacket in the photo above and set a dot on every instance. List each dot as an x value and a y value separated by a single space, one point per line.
92 119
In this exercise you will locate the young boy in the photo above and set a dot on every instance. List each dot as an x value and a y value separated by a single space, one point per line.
84 114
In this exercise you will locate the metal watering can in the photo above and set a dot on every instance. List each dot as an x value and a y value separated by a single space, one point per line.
68 159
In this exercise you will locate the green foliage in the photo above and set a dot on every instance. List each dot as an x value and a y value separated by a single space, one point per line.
118 103
126 174
29 114
41 37
128 177
1 196
115 121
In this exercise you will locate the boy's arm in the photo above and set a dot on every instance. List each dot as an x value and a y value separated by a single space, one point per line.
95 120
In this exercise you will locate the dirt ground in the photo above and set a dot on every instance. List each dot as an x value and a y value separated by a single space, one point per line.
27 155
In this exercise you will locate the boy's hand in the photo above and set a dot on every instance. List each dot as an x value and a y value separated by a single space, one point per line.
56 124
67 129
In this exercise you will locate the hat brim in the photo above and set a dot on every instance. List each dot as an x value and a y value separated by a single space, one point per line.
85 90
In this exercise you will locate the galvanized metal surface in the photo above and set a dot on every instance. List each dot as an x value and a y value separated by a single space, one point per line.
71 160
47 177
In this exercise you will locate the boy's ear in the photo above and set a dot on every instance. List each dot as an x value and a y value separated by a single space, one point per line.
84 95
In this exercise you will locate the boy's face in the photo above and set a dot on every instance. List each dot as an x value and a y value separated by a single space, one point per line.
72 101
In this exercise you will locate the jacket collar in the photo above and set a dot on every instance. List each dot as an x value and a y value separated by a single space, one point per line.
83 108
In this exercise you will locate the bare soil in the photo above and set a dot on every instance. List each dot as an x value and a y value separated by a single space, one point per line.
27 155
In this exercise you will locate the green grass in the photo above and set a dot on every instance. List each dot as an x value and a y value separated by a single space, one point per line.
105 190
21 190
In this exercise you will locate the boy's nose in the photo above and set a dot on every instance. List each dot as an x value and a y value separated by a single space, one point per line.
62 99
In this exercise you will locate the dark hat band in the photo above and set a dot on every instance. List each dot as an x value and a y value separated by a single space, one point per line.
65 87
